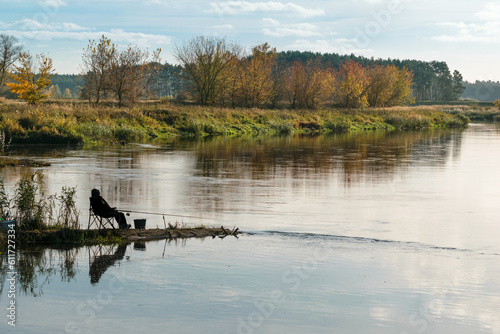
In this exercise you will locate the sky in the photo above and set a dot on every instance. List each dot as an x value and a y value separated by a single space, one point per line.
463 33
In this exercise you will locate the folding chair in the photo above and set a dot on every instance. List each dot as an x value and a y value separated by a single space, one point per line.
98 220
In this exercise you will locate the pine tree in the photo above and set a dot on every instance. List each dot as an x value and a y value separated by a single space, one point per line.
57 92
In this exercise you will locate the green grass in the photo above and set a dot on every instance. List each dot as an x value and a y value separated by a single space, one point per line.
82 124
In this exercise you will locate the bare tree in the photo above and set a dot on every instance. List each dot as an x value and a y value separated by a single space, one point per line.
208 62
9 54
131 73
95 68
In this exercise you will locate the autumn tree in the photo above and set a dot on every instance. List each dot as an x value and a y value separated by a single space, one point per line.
9 53
278 83
295 84
256 70
54 92
308 84
131 72
235 82
352 85
208 62
389 86
319 84
31 77
67 94
97 58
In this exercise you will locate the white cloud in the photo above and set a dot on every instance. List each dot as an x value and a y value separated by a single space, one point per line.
244 7
29 24
33 25
299 30
339 45
54 3
488 32
223 26
485 31
490 12
73 27
270 22
117 36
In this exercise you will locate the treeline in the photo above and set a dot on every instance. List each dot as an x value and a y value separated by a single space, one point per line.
222 73
214 71
483 91
65 86
169 81
432 81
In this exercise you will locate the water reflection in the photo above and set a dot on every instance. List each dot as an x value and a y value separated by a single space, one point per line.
101 257
409 221
36 266
212 177
355 155
354 285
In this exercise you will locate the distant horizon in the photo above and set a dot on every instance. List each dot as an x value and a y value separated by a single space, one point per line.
466 35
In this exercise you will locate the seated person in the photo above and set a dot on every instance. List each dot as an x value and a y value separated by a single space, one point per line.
101 208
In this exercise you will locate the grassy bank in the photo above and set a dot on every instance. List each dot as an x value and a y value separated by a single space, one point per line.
79 123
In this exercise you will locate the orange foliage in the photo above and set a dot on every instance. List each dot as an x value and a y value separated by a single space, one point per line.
352 85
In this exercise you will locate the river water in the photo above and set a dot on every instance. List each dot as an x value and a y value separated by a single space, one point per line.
356 233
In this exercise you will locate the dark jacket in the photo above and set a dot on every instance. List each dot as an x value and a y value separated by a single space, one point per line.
100 206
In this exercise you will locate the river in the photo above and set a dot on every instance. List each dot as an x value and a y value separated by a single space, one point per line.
355 233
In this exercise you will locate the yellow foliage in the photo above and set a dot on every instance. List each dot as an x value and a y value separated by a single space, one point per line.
353 82
31 77
497 104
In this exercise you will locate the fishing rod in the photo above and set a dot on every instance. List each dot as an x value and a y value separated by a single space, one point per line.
164 214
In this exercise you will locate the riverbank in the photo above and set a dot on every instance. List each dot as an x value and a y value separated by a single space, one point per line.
78 123
81 237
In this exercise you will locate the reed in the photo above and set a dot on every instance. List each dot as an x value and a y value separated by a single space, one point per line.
33 210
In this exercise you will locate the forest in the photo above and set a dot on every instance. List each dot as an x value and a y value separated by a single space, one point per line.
482 91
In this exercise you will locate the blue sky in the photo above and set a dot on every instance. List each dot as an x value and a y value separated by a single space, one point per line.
464 33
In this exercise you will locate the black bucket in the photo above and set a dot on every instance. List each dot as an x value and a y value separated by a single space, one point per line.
139 224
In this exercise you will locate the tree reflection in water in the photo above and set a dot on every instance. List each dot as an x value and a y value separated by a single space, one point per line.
36 267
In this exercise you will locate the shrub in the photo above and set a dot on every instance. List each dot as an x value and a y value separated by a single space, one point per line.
283 127
337 126
127 133
68 213
496 103
32 208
